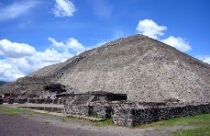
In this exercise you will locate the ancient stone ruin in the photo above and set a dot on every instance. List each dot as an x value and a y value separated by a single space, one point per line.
129 113
81 104
149 80
143 68
133 113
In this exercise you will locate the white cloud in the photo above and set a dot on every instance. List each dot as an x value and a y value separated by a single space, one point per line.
51 56
17 9
178 43
20 59
71 43
9 72
55 43
15 50
64 8
150 28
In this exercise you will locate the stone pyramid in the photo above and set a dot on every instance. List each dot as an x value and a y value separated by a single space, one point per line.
143 68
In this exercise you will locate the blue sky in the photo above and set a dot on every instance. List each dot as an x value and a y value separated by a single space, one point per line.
37 33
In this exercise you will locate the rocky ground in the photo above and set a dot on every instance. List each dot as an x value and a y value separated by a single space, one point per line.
43 125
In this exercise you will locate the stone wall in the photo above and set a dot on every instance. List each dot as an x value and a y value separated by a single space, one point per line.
131 116
91 103
103 109
131 113
76 110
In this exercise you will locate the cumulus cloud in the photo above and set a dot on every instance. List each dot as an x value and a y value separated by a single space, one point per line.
71 43
178 43
20 59
150 28
64 8
17 9
15 50
9 72
51 56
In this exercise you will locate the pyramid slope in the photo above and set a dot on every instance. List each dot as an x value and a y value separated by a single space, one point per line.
143 68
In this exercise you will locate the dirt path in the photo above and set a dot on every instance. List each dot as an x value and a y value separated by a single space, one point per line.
42 125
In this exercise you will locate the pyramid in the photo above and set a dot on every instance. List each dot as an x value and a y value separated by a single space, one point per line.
141 67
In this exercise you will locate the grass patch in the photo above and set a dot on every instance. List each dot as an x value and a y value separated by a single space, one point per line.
198 120
202 122
94 115
104 123
15 111
203 131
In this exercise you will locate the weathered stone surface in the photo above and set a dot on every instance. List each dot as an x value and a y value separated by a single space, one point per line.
84 104
131 113
131 116
143 68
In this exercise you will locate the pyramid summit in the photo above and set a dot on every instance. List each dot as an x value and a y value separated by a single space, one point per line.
143 68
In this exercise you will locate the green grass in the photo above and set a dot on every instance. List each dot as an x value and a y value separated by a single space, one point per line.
198 120
15 111
104 123
203 131
201 122
94 115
